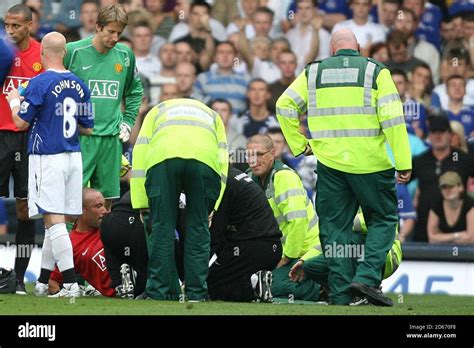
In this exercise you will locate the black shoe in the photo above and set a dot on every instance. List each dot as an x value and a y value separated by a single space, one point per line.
143 296
373 294
264 285
359 301
20 288
323 294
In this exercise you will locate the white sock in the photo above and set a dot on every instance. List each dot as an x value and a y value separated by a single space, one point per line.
254 280
62 246
47 257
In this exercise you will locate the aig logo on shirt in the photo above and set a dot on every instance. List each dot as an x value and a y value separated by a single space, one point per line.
13 82
104 89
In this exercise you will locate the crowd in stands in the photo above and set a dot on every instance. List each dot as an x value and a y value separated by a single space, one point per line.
239 56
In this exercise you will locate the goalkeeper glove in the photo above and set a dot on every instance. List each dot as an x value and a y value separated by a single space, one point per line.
124 132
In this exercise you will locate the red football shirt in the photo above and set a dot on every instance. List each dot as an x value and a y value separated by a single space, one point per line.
89 261
26 64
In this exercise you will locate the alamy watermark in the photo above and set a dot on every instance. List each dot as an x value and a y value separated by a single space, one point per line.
21 250
37 331
353 251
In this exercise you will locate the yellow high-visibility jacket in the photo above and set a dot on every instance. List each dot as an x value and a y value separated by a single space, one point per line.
178 128
353 108
293 211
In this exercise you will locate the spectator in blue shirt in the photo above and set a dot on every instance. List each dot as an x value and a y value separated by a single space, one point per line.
224 83
415 112
457 110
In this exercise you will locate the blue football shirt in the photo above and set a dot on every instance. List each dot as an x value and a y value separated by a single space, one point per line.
55 103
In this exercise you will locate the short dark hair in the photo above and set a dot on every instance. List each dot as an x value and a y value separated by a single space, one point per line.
141 24
397 38
221 100
263 9
226 43
351 1
399 72
274 130
288 51
23 10
313 2
421 65
458 53
468 16
94 2
410 11
201 3
258 79
456 76
376 47
34 11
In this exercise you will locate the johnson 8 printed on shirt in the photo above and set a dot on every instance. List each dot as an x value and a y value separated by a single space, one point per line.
55 103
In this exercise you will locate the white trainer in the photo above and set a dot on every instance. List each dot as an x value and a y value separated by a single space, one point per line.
41 289
68 290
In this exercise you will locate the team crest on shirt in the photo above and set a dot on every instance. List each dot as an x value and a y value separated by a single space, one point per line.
99 259
118 68
37 67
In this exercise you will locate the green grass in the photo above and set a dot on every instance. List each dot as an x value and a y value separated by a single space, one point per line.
406 305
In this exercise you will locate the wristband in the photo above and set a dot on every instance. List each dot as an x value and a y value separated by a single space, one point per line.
14 102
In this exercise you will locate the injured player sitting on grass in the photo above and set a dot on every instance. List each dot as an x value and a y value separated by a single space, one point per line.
90 253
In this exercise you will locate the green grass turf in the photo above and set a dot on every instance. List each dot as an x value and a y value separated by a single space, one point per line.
404 305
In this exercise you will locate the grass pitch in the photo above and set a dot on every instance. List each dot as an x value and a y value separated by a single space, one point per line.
404 305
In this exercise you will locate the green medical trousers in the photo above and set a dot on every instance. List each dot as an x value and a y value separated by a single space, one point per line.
283 286
317 268
164 183
339 196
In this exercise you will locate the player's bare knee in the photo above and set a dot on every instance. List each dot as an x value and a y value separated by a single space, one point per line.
53 219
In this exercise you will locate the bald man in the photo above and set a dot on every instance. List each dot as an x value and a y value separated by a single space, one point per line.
57 103
353 109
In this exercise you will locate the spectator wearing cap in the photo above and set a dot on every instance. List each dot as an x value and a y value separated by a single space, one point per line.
451 219
430 165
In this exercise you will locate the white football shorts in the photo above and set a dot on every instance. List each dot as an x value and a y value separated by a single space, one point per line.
55 184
